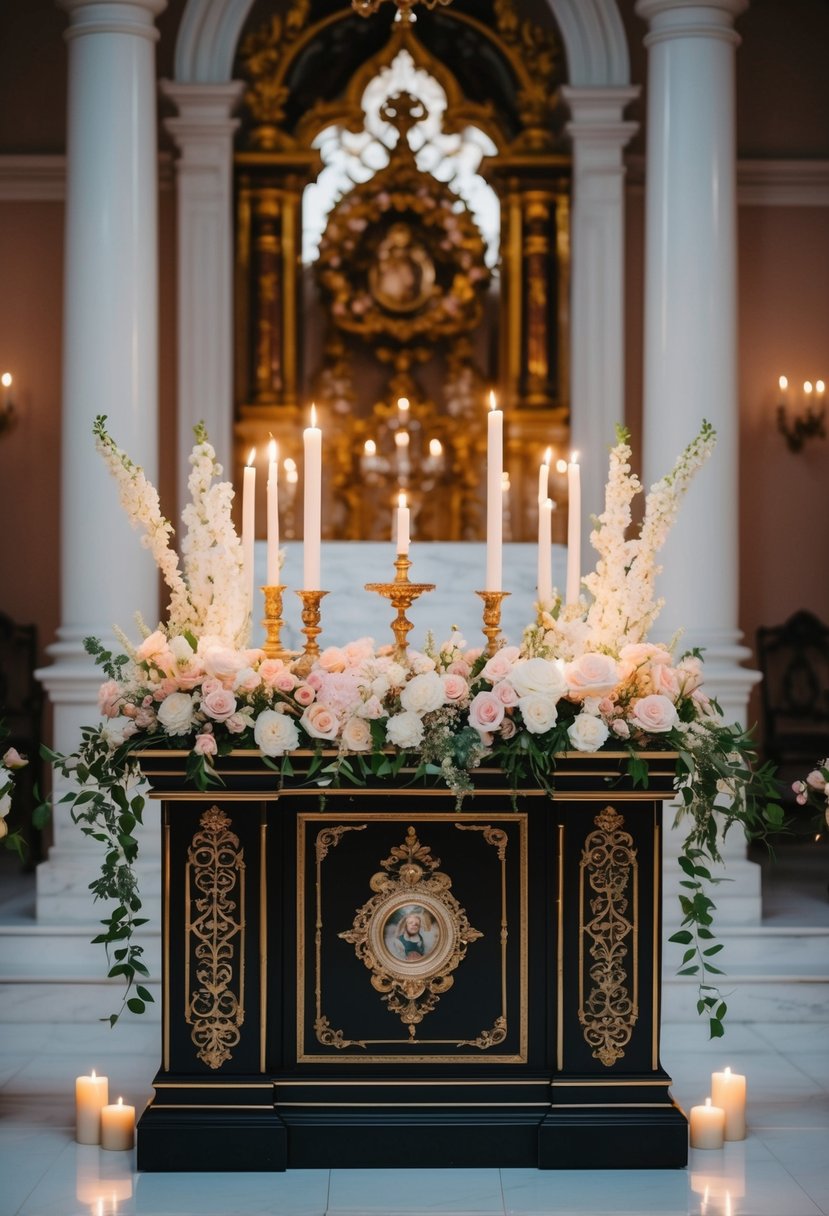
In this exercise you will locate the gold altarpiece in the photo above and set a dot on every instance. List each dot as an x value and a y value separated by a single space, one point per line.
401 303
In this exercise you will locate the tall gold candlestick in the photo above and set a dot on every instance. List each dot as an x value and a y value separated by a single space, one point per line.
492 618
402 594
311 628
272 623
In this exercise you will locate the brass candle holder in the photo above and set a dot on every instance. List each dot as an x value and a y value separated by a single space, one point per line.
272 623
492 618
402 594
311 628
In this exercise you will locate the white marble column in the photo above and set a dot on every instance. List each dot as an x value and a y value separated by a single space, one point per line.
690 356
203 132
599 136
110 366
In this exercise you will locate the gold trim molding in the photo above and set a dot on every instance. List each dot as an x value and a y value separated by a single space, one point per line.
214 939
610 865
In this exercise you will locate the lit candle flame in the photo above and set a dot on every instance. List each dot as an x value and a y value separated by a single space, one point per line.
435 447
273 451
820 387
313 414
401 498
401 438
120 1101
493 404
370 447
403 403
807 387
574 458
548 456
783 383
6 379
251 457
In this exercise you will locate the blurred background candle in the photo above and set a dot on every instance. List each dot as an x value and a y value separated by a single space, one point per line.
249 523
118 1126
728 1090
91 1094
402 525
707 1125
544 476
573 529
494 494
273 514
312 518
545 551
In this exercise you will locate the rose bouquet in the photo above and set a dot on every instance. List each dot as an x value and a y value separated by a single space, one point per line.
582 678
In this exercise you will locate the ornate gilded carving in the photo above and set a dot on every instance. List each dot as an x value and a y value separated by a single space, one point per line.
488 1038
610 1010
412 934
265 54
215 938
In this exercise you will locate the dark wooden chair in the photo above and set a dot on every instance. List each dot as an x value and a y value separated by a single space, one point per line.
794 661
21 709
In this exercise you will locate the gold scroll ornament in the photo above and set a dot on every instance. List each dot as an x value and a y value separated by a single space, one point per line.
609 1011
216 868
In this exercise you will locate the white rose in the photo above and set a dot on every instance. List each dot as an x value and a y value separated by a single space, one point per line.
357 735
175 713
423 693
654 714
587 734
223 663
275 733
538 676
591 675
5 804
420 663
117 730
404 730
539 713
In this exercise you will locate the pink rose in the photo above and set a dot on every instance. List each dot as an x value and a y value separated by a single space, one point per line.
357 735
357 652
689 674
145 718
155 651
304 694
621 728
205 745
332 659
814 779
219 704
664 680
455 687
500 665
591 675
316 679
211 685
109 699
508 728
486 712
166 689
270 671
505 693
13 759
319 722
654 714
459 667
286 681
236 723
246 680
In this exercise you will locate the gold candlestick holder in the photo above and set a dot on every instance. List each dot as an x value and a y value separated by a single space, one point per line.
311 628
402 594
272 623
492 618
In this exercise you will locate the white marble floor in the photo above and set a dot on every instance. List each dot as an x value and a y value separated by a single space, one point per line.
779 1170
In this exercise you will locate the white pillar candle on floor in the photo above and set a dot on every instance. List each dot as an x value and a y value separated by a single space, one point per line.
494 494
728 1090
312 516
91 1094
273 514
402 525
249 524
118 1126
573 529
545 552
707 1126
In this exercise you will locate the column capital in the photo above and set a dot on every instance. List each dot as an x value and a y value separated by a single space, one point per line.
597 129
203 105
671 19
135 17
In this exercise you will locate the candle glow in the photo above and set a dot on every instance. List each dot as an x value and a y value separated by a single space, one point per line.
403 516
494 494
312 519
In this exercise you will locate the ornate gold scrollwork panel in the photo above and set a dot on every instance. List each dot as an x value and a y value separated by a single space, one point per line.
214 945
608 929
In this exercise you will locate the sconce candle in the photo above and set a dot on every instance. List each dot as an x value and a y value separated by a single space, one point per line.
403 516
573 529
249 522
312 437
118 1126
728 1090
707 1126
91 1095
273 514
494 494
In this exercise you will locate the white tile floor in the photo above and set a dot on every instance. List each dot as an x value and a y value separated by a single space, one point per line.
781 1169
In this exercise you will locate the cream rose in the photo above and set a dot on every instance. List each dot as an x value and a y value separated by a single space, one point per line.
486 712
405 730
332 659
154 649
501 664
455 687
175 713
539 713
205 745
423 693
357 735
223 663
587 733
4 828
319 722
275 733
591 675
654 714
13 759
538 676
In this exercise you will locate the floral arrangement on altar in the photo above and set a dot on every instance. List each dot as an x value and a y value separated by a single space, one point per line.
813 790
584 677
10 763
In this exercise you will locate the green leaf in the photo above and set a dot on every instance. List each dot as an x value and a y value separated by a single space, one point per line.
135 1005
713 950
144 993
682 937
689 971
716 1029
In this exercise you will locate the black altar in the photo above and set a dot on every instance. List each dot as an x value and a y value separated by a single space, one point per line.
351 972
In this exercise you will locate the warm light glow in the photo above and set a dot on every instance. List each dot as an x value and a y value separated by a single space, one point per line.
783 383
548 456
120 1101
401 499
251 457
313 414
574 458
403 404
820 387
728 1072
6 379
435 447
289 465
505 482
493 404
370 447
561 466
93 1072
807 387
291 476
273 451
401 438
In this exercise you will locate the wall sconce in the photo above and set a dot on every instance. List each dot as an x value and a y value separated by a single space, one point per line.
810 422
8 414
